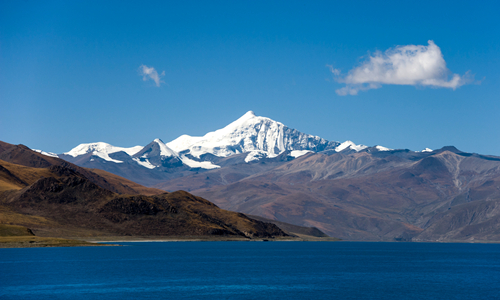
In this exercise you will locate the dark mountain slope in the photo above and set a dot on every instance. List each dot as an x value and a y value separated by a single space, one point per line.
67 203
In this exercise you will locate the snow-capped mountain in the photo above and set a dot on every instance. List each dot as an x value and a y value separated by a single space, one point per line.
349 145
157 154
102 150
259 136
254 137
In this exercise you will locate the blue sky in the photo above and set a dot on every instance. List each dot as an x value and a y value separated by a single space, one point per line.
70 71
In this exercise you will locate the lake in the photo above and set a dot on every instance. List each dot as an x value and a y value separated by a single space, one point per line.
253 270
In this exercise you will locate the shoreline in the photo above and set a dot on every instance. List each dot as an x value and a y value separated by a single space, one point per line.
72 241
42 242
39 242
118 239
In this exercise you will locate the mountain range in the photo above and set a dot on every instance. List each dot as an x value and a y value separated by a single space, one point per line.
248 139
56 198
261 167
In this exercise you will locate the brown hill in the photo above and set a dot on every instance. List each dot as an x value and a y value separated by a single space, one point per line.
23 156
74 203
54 198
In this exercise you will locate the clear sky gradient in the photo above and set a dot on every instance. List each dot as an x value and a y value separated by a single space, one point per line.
70 71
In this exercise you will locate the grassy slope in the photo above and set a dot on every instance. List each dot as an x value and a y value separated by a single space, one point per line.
14 236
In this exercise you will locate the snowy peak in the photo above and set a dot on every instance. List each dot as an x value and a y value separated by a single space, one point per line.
248 119
248 115
258 137
46 153
382 148
183 142
102 150
101 147
246 134
164 149
157 154
156 148
348 145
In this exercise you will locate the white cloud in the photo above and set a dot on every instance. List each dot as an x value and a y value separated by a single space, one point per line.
415 65
150 73
334 71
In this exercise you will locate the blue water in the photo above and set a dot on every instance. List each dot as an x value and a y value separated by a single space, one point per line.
253 270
